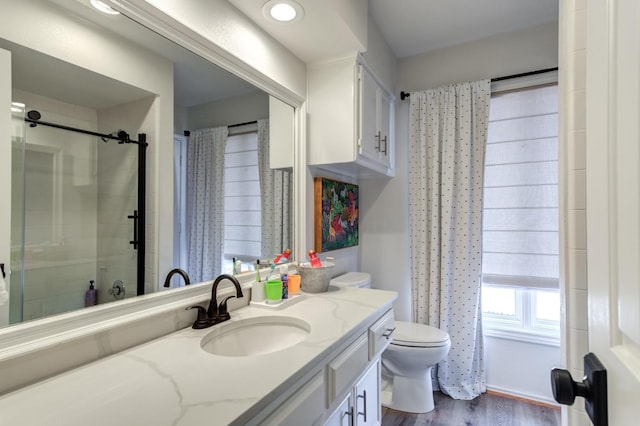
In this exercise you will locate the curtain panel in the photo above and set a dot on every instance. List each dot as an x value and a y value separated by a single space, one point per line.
205 203
275 192
447 140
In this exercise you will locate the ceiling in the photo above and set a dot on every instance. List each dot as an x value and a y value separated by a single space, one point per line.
416 26
325 31
409 26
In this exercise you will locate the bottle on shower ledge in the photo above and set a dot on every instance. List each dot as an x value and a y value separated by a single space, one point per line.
91 295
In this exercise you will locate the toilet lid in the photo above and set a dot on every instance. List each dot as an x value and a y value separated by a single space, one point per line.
352 279
419 335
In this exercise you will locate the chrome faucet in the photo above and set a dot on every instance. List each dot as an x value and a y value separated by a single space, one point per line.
167 281
216 314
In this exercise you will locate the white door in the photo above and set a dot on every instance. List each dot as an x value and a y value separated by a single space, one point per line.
613 199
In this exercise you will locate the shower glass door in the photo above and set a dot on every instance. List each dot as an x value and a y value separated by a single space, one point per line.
79 193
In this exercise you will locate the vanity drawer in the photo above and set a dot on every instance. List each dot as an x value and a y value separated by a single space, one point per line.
380 334
347 366
304 407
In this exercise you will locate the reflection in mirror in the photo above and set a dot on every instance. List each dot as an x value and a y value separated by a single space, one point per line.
232 192
72 194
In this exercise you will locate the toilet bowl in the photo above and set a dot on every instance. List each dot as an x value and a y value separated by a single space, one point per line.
407 364
409 358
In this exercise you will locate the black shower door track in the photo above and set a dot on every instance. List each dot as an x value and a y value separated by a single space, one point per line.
123 137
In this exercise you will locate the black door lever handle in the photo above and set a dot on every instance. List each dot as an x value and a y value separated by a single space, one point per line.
593 389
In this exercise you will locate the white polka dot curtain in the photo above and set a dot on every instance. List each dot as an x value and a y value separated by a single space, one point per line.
275 195
205 202
447 139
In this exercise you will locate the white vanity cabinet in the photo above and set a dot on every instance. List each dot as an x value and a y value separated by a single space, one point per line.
350 119
361 406
342 389
351 373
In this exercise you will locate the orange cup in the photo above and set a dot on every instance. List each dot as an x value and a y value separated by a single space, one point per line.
294 284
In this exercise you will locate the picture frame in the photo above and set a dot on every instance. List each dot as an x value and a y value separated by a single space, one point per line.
336 214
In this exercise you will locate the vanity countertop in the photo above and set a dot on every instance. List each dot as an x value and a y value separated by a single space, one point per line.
173 381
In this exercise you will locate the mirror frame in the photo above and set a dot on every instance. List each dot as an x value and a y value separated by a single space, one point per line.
20 339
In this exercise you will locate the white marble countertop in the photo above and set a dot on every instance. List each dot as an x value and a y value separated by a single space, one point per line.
173 381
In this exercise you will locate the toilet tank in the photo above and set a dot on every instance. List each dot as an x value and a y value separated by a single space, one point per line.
352 279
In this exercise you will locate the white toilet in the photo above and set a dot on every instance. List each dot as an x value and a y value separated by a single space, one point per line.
408 360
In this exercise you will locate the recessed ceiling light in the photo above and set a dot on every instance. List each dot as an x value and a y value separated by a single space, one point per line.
104 8
285 11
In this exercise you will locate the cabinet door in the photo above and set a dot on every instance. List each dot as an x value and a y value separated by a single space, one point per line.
384 126
366 398
369 141
343 414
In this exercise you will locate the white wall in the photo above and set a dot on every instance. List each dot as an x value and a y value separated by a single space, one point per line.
522 370
379 56
224 112
505 54
573 178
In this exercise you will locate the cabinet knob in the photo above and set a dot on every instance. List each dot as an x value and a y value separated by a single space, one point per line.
384 151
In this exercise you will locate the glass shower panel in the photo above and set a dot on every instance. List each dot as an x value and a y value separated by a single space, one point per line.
79 192
117 204
18 128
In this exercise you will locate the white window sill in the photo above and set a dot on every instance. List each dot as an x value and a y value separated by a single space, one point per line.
540 338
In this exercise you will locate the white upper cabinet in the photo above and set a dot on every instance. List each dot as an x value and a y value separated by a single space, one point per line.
350 119
281 136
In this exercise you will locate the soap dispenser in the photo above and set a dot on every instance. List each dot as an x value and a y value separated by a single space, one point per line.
91 295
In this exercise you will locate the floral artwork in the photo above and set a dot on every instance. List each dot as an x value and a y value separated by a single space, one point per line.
336 215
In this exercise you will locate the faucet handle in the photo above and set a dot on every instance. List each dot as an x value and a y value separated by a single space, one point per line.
222 308
202 321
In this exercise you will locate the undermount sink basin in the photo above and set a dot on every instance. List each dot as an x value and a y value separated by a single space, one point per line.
255 336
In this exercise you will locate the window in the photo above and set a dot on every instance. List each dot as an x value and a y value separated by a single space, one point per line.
520 265
242 230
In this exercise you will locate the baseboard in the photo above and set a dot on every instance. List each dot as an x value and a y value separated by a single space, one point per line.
506 393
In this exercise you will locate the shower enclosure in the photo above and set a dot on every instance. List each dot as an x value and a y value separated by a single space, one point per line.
77 213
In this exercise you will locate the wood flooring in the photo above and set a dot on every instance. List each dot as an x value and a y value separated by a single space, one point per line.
486 410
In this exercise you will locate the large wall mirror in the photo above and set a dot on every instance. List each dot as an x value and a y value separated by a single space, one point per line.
74 196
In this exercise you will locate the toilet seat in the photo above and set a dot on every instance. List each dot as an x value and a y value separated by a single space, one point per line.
415 335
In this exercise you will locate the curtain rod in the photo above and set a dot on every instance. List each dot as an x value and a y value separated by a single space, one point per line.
244 124
404 95
188 132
